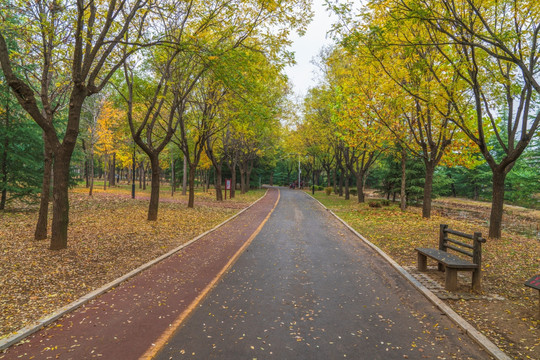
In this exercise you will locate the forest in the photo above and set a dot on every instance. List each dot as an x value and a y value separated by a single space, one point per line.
416 99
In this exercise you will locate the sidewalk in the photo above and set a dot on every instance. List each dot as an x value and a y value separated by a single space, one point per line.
125 322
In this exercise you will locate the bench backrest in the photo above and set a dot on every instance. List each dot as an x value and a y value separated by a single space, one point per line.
445 243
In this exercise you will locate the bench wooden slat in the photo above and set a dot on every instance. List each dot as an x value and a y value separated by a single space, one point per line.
460 243
459 233
449 260
460 250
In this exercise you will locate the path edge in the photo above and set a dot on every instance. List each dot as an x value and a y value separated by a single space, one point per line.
48 319
470 330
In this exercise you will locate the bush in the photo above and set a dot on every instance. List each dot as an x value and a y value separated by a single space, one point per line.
374 204
353 192
385 202
328 190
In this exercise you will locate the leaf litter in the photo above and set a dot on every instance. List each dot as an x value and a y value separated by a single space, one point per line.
512 323
108 237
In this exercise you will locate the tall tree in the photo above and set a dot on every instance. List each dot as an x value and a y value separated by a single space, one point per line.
76 45
493 47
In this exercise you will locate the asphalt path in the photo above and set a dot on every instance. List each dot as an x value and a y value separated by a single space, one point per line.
307 288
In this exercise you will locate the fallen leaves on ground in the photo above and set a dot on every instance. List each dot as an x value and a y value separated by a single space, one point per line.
108 237
507 262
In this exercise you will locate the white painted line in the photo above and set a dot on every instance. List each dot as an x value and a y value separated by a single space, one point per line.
476 335
32 328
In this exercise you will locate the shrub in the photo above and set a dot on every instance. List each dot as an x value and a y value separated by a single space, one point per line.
353 192
385 202
328 190
374 204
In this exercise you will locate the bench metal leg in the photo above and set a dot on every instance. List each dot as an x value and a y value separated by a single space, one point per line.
477 280
422 262
451 279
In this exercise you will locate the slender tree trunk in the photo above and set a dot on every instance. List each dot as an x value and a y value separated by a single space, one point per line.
154 192
112 181
86 164
41 226
60 219
184 177
341 181
105 171
144 177
233 179
403 194
334 180
191 197
497 204
91 170
141 166
346 181
428 189
172 176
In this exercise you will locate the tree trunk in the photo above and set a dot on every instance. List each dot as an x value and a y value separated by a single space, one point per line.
141 175
86 164
41 226
402 194
144 177
233 179
346 181
428 189
334 180
172 176
154 192
360 185
248 177
340 186
60 219
91 170
191 197
112 181
219 193
207 180
242 180
184 177
105 171
497 204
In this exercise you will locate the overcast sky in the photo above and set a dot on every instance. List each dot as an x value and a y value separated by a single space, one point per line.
306 48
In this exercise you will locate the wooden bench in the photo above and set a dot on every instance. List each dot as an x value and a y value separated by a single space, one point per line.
451 263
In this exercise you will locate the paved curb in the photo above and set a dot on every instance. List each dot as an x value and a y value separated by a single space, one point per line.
476 335
30 329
